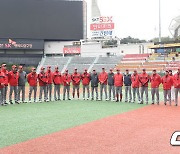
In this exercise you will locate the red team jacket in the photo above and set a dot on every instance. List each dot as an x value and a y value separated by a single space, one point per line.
135 81
66 79
49 75
57 78
85 79
155 80
13 78
32 79
2 79
118 80
144 79
167 82
103 78
176 80
6 77
42 77
76 78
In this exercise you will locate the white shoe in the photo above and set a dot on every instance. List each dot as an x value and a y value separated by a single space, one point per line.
107 99
87 98
83 98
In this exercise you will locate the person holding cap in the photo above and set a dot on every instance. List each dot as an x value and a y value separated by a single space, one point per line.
135 86
127 83
118 83
111 84
5 89
176 81
49 75
155 80
43 80
144 79
13 77
76 79
94 84
103 77
66 83
2 84
32 79
21 83
167 84
57 80
85 81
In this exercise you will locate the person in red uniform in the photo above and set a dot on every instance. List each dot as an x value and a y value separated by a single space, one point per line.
32 79
103 77
176 81
155 80
57 80
66 82
135 86
2 84
172 88
85 81
13 77
76 79
49 75
5 89
144 79
118 83
42 77
167 82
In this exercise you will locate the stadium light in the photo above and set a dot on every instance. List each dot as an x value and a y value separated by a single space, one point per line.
159 20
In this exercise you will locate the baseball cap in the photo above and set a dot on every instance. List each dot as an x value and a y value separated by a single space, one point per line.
127 70
135 70
85 69
14 66
42 68
56 67
103 68
48 66
75 69
170 70
167 70
33 68
94 70
154 70
144 69
111 69
117 69
3 65
20 67
66 70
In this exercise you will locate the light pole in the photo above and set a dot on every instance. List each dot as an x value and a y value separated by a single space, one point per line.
159 20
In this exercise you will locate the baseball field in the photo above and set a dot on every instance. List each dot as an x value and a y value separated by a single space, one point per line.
79 126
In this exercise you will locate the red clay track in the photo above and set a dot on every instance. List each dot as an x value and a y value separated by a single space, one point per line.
143 131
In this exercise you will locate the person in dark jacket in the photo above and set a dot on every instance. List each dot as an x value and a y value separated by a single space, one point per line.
127 83
111 84
21 83
94 84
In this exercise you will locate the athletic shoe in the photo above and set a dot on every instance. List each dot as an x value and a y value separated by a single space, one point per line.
107 99
117 100
129 101
152 103
87 98
164 103
69 99
29 101
83 98
10 102
176 105
40 101
92 99
125 101
16 102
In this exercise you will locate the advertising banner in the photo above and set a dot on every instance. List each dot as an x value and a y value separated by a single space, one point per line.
72 50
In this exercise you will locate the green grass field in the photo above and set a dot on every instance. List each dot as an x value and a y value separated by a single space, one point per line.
27 121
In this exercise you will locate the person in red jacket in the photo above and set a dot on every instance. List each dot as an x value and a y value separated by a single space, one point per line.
85 81
57 80
155 80
5 89
49 75
135 86
32 81
118 83
2 84
13 77
66 82
144 79
103 77
42 77
76 79
167 84
176 81
172 88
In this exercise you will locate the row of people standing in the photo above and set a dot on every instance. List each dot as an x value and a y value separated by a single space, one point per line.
17 79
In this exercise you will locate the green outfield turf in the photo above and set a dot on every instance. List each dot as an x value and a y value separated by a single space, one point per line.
26 121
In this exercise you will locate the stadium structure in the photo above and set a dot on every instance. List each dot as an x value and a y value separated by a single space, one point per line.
55 33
